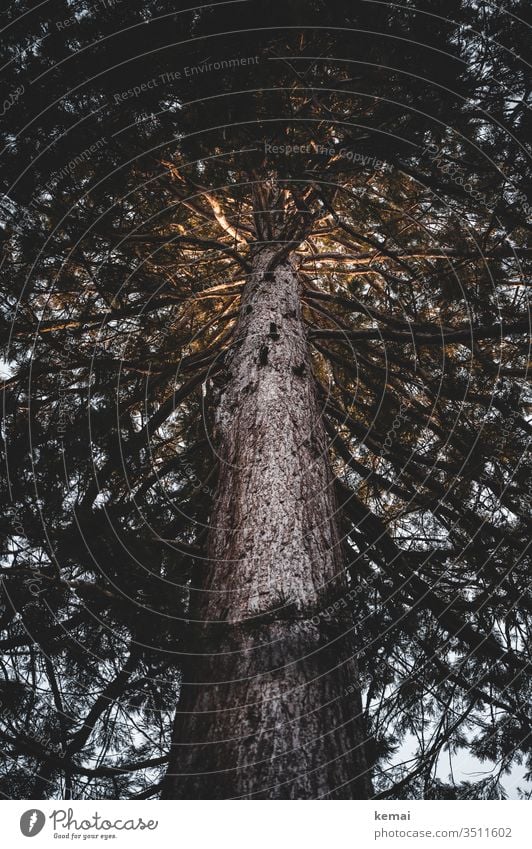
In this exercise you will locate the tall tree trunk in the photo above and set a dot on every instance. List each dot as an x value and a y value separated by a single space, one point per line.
268 710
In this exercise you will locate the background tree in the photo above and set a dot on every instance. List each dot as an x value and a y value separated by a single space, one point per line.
137 225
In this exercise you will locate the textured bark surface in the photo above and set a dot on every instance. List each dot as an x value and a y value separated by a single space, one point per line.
264 711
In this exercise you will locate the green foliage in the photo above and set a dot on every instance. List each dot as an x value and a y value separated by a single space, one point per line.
120 287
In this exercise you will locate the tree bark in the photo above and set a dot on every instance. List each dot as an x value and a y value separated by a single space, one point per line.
270 708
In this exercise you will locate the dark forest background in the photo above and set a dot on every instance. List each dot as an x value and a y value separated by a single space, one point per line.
125 224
